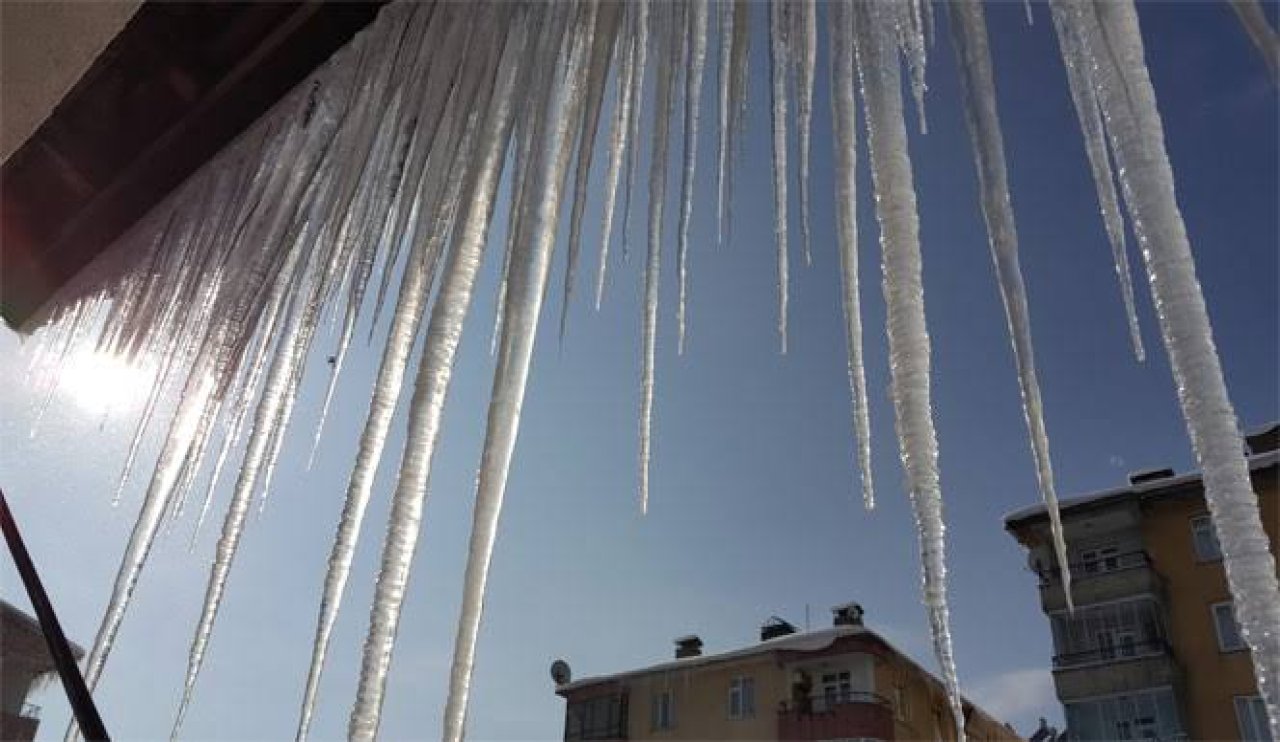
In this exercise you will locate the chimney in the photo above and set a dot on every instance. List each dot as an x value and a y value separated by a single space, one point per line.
688 646
1263 441
849 614
774 628
1147 476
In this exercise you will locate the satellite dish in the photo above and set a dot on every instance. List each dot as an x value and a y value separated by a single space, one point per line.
560 672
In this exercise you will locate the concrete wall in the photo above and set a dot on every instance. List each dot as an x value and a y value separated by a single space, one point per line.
44 49
1211 678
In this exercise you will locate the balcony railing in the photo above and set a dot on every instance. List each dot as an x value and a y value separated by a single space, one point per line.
1103 565
824 702
1117 653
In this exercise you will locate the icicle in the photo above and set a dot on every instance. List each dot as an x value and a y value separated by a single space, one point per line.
281 382
664 98
406 320
1254 21
973 58
1080 82
431 387
196 395
607 18
1113 43
778 65
910 28
908 334
738 58
697 48
805 61
724 80
844 125
619 131
641 41
525 295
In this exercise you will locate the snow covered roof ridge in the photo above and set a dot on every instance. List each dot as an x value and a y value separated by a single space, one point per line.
1264 460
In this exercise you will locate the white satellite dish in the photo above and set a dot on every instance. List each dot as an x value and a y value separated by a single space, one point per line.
560 672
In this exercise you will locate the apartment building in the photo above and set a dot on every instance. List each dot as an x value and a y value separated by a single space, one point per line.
1153 650
845 682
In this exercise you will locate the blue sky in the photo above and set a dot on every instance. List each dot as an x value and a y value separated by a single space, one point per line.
755 505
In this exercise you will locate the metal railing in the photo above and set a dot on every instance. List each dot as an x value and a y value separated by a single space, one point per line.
1114 653
1103 565
823 702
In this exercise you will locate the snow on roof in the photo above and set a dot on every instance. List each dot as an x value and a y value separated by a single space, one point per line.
1259 461
809 641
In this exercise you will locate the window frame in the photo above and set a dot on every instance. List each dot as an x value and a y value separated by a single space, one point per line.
1214 612
1252 724
1197 523
662 710
742 690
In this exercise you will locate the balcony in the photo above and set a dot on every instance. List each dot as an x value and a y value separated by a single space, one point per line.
1100 580
839 715
21 725
1114 669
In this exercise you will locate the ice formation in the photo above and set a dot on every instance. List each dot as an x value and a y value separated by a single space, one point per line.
389 157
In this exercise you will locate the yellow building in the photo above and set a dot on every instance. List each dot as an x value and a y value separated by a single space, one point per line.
845 682
1153 650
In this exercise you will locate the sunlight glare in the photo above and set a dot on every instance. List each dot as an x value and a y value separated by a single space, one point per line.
99 382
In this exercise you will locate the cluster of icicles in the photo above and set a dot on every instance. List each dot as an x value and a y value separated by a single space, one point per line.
393 152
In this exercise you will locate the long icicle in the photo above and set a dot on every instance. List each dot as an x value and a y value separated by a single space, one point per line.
619 140
724 79
844 125
525 297
597 74
641 41
697 49
778 73
738 74
806 60
1114 45
406 320
1253 19
908 333
973 58
279 379
1085 100
431 386
664 98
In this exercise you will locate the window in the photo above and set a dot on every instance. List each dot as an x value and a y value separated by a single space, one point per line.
1251 715
901 704
742 698
602 717
1224 620
663 711
1204 539
837 688
1100 559
1141 715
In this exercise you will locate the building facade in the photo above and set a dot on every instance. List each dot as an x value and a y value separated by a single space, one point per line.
1152 650
840 683
24 662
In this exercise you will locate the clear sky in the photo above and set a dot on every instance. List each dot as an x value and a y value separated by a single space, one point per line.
755 505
